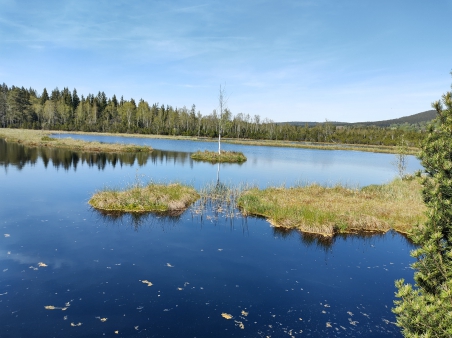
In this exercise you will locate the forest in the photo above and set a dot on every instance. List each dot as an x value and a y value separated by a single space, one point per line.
67 111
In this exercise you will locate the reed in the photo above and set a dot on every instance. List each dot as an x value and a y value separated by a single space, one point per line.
39 138
149 198
327 211
214 157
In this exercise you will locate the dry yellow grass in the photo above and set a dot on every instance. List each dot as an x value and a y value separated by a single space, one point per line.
149 198
315 209
41 138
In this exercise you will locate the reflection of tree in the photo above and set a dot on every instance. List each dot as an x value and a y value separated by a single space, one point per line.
18 155
137 220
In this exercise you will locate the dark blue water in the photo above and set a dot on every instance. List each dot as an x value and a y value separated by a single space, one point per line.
272 283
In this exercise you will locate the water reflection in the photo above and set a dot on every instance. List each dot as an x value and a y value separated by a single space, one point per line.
326 243
18 155
137 220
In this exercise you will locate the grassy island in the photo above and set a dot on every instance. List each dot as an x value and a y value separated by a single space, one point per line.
397 205
150 198
214 157
39 138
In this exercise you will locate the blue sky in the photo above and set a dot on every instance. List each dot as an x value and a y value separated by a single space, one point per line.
349 60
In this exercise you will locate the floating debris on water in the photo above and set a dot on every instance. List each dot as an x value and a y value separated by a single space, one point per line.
116 332
239 324
226 315
328 324
7 235
51 307
42 265
169 265
180 289
78 324
244 313
353 322
147 282
103 320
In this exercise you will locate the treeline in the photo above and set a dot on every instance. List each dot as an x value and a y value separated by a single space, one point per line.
66 110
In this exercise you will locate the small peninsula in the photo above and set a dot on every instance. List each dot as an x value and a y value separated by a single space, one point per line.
327 211
40 138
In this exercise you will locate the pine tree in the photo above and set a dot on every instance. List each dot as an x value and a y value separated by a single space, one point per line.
425 310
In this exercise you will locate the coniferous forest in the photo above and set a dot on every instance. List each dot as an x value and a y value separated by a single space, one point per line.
67 111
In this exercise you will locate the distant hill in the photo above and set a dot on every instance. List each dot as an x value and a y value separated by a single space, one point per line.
411 119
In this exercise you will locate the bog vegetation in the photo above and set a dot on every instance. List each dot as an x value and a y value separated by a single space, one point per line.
215 157
66 110
173 198
330 210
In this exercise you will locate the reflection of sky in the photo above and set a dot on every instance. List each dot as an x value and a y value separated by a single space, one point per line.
266 165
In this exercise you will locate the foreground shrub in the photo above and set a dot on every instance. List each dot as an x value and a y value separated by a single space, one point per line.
425 310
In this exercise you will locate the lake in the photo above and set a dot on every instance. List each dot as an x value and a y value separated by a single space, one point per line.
94 272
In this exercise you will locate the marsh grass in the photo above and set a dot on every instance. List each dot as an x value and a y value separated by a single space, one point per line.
219 200
35 138
327 211
161 198
214 157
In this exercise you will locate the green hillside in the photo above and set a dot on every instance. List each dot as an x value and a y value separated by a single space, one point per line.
411 119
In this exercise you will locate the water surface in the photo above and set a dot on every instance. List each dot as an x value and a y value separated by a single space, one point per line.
273 283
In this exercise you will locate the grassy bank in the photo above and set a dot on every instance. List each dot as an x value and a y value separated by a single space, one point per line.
38 138
214 157
323 146
314 209
149 198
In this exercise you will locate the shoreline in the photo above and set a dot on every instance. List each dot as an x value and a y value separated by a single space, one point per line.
265 143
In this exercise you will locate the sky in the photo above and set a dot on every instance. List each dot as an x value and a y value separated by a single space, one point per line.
303 60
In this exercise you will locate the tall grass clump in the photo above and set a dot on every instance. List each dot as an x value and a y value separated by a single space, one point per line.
147 198
313 208
214 157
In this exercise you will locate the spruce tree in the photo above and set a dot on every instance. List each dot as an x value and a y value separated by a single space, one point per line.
44 96
425 310
75 99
